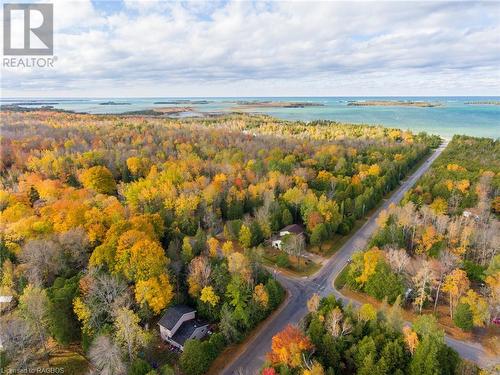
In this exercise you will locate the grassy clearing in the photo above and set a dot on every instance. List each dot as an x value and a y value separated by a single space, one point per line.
340 280
297 266
68 359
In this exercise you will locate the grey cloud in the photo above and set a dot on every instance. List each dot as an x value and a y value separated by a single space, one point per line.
232 43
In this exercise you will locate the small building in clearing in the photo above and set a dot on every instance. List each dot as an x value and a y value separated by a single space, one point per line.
277 240
471 213
179 324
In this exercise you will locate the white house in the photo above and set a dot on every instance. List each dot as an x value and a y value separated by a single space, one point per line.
277 240
179 324
470 213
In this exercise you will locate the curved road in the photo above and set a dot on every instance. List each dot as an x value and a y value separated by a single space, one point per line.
300 290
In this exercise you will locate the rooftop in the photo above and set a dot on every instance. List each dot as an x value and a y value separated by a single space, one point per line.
173 314
293 228
186 330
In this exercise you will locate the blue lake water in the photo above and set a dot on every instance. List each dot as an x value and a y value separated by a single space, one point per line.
454 116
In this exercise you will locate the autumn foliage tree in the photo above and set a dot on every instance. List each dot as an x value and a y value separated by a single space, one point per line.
288 346
455 284
101 200
100 179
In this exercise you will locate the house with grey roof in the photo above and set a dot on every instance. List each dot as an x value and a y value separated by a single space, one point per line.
179 324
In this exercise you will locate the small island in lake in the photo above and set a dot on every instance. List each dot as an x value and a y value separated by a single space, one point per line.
159 111
113 103
392 103
183 101
30 108
489 102
270 104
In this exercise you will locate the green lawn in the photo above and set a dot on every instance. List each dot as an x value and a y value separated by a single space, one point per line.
305 267
72 362
340 280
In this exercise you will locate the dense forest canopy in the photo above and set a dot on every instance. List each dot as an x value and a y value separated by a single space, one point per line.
107 220
337 339
439 248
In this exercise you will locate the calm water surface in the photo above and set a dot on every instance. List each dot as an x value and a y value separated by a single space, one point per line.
454 116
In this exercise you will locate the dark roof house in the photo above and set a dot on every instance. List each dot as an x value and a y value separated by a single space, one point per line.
179 323
277 240
292 228
188 329
173 314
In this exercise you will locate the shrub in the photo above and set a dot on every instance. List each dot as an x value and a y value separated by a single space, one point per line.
344 227
218 342
167 370
197 357
139 367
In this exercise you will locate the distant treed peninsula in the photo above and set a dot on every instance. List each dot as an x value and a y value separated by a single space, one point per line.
390 103
488 102
244 104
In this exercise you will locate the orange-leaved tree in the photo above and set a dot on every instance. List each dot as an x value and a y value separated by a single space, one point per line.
288 345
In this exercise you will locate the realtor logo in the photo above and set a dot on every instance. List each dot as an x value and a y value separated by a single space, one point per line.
28 29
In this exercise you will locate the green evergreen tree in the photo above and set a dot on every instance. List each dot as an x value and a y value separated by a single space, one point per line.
257 236
425 360
286 217
319 234
463 317
384 283
64 325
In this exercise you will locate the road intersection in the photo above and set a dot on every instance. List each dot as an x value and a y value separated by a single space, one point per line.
250 360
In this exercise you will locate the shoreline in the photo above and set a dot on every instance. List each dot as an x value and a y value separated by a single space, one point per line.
445 130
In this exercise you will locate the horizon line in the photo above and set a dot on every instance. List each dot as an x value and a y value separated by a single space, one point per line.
253 96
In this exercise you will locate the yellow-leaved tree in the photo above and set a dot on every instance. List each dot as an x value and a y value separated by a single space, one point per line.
367 312
429 238
100 179
411 339
157 292
146 259
370 261
213 245
439 206
478 306
227 248
208 296
260 295
314 369
455 284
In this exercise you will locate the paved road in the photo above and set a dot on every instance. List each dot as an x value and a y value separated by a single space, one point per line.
300 290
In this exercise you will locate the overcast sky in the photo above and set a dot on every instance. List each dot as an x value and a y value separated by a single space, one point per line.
148 48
